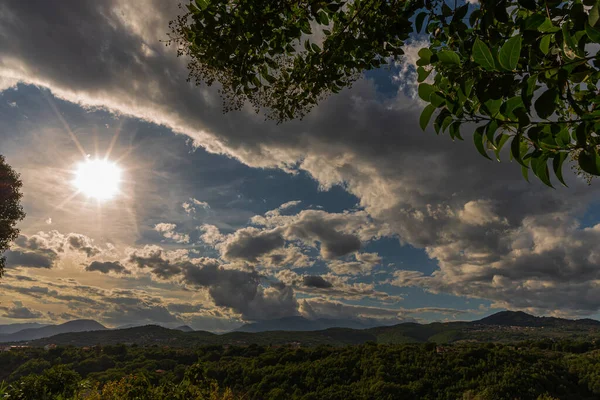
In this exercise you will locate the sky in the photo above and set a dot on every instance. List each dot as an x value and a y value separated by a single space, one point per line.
222 219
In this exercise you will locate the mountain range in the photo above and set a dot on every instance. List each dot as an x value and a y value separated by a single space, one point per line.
500 327
301 324
33 333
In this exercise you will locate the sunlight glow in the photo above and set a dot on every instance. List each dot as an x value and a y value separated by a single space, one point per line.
98 178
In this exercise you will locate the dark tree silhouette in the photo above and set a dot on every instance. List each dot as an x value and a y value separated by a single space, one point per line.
520 73
11 210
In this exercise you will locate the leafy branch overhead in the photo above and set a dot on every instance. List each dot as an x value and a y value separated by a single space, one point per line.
521 74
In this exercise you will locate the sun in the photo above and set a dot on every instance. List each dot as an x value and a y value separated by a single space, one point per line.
98 178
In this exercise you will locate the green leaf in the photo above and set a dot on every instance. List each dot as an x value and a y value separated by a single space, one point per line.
500 142
483 56
548 26
436 100
323 18
515 149
557 163
202 4
449 57
593 33
510 53
511 104
493 107
315 47
545 44
569 45
424 57
594 15
589 161
422 74
426 116
425 91
546 103
539 165
478 140
533 22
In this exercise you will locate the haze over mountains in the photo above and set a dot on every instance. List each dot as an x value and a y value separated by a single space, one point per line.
33 333
505 325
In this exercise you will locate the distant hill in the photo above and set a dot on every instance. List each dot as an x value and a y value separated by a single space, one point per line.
184 328
12 328
505 326
520 318
301 324
81 325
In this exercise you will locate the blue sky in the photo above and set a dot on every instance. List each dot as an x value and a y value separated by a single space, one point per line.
353 212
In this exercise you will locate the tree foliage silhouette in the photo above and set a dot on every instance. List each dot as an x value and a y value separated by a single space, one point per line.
517 73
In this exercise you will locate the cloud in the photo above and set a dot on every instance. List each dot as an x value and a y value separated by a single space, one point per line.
107 266
29 259
168 231
250 243
236 289
83 244
184 308
316 281
363 264
332 286
211 234
322 308
191 206
18 311
424 190
338 234
45 249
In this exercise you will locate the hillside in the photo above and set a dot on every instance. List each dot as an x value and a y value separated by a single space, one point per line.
519 318
12 328
301 324
82 325
501 327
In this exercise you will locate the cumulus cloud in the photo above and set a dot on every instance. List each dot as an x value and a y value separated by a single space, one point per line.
337 234
83 244
422 189
251 243
316 281
192 205
333 286
29 259
211 234
168 231
44 249
107 266
236 289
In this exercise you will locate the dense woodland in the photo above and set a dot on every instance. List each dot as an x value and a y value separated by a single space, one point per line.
546 369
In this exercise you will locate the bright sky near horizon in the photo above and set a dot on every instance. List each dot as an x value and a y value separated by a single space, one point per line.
146 204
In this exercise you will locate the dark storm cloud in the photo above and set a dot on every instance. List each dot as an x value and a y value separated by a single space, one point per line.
250 243
107 266
154 259
82 243
239 290
316 281
28 259
470 215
